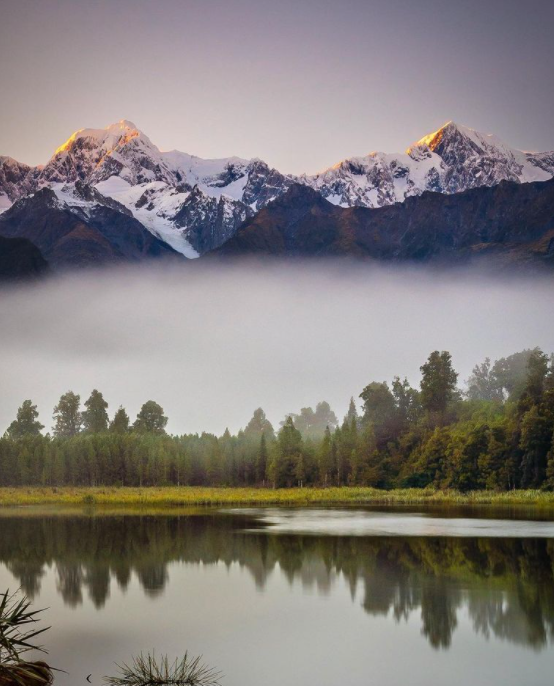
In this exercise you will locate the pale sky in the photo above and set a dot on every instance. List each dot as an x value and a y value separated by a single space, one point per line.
300 83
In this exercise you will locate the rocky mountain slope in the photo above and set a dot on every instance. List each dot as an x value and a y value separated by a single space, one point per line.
76 226
195 205
510 224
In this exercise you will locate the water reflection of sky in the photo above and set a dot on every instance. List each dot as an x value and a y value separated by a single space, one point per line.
371 523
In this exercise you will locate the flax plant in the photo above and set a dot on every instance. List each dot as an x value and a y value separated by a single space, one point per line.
17 636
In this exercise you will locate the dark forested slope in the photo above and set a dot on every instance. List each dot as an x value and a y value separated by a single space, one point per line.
20 259
509 222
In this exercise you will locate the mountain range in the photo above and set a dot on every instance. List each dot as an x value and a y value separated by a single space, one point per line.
109 195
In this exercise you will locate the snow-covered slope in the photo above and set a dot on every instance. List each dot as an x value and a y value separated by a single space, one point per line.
180 198
379 178
474 159
452 159
197 204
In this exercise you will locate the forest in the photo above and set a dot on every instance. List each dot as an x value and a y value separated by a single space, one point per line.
497 434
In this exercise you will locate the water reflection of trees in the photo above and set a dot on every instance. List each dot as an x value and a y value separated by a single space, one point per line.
507 585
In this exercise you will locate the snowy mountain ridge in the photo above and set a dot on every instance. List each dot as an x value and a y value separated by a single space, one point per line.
196 204
450 160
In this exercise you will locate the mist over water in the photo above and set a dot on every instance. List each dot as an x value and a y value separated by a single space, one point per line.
211 343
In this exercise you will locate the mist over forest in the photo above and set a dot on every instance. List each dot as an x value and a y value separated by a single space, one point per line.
212 343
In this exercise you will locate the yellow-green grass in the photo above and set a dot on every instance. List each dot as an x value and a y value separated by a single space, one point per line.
199 496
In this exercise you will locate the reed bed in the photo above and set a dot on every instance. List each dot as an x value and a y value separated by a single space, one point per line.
200 496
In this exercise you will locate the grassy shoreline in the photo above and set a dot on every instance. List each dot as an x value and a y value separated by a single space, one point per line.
200 496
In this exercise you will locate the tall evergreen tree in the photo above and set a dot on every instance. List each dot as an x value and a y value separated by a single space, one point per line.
26 423
438 383
67 416
95 415
120 422
535 444
150 419
288 454
352 414
325 458
261 462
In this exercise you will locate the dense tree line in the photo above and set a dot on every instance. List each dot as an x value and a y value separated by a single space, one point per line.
499 435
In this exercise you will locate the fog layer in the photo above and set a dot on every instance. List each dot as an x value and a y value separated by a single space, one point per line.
212 343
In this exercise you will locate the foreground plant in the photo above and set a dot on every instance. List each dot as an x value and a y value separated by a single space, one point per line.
147 670
16 638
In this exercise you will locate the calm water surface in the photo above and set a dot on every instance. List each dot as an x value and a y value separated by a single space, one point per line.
285 597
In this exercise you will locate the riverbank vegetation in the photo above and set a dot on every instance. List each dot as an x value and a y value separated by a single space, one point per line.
496 436
189 496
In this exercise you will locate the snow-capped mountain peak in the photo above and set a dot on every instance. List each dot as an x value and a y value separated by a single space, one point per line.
196 204
96 154
108 138
451 159
476 159
459 136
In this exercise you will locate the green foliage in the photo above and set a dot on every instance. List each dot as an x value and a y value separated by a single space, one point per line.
150 419
483 384
378 403
325 458
26 423
497 438
287 463
120 422
438 382
95 417
67 416
510 373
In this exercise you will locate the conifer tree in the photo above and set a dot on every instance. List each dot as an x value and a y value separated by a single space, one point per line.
95 416
120 422
150 419
325 458
352 414
261 462
438 383
26 423
67 416
288 454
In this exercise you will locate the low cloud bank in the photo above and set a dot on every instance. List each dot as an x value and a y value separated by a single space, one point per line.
211 343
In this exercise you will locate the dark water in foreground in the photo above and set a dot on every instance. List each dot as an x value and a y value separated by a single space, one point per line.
273 597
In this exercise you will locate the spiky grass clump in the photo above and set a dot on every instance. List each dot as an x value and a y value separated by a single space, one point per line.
15 618
16 638
147 670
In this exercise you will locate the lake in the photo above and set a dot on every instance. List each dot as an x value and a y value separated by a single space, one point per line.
286 597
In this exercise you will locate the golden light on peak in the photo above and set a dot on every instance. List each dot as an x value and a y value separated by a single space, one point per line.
69 141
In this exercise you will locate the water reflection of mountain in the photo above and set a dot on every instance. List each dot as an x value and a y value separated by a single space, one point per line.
507 585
